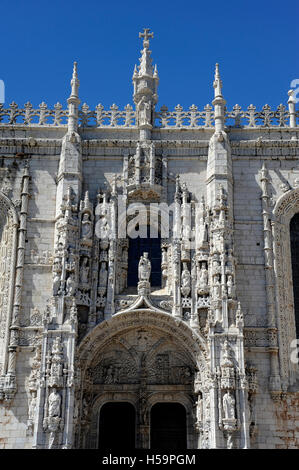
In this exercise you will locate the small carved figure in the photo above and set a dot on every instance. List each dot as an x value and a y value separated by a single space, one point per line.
56 284
217 287
228 403
86 230
230 286
144 111
54 403
70 285
203 277
144 268
103 276
32 406
84 271
186 280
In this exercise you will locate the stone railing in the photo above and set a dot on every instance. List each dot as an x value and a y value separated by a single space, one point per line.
114 117
180 118
253 118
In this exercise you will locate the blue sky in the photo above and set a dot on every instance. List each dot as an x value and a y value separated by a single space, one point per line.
256 44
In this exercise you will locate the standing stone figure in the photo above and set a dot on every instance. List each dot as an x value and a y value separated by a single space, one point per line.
144 268
70 285
186 280
56 283
144 111
86 226
84 271
228 403
54 403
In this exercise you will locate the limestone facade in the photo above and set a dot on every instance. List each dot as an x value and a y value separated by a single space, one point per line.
217 336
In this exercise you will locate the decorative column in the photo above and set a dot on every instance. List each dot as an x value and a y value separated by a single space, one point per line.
274 380
10 386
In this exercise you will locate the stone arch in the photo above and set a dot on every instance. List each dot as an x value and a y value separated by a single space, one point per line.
286 207
152 331
8 244
186 402
193 342
90 440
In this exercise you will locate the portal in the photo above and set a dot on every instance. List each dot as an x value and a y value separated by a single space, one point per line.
168 427
117 426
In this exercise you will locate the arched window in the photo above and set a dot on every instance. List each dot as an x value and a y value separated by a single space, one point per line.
294 233
137 246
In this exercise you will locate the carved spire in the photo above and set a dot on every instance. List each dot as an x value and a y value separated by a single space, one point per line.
73 102
218 102
75 82
145 81
217 83
145 67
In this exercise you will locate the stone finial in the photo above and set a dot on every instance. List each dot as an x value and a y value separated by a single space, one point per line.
292 110
73 103
146 35
218 103
217 82
75 82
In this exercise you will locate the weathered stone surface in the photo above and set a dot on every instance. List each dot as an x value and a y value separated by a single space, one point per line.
217 336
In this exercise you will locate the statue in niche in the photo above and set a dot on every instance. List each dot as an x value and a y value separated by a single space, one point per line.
71 261
230 286
144 111
103 276
203 277
56 283
228 403
217 287
144 268
86 230
186 280
54 402
70 285
84 271
199 409
32 406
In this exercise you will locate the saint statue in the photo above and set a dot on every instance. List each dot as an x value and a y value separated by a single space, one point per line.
84 271
144 268
186 280
86 226
54 403
144 111
70 285
103 275
56 283
228 403
203 277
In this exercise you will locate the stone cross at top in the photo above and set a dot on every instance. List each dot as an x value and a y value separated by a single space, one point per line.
146 35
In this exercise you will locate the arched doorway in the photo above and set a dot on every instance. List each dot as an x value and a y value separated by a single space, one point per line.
117 426
168 427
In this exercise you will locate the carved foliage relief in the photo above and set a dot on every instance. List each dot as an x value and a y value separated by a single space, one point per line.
142 355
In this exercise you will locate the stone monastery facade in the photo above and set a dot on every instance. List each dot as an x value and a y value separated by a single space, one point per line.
201 316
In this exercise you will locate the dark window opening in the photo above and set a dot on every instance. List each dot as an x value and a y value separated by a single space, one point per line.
137 246
168 427
117 426
294 232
